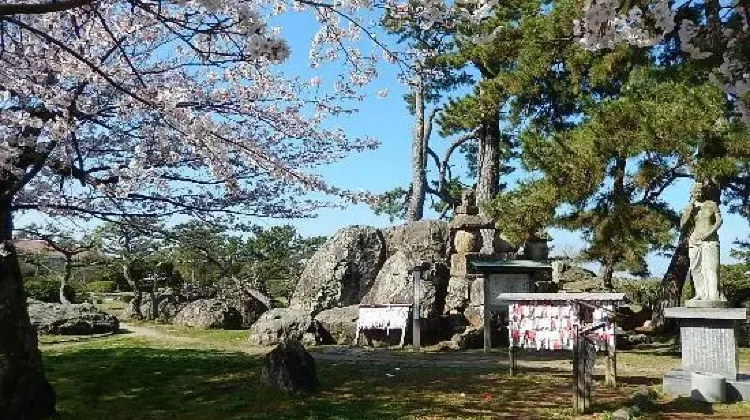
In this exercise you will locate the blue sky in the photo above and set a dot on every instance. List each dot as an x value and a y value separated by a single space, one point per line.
387 167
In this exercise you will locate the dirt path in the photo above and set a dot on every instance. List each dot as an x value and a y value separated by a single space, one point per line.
141 331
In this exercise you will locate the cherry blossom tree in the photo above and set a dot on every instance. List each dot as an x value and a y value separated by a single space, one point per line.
146 108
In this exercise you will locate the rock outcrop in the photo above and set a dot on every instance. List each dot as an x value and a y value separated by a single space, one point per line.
394 284
209 314
290 368
281 324
338 325
425 239
342 271
71 319
574 279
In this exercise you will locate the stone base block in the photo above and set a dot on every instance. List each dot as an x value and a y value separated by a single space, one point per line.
460 265
694 303
678 383
708 338
458 294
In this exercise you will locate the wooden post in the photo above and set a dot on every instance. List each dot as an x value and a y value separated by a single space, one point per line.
576 371
512 359
588 373
416 334
486 314
612 355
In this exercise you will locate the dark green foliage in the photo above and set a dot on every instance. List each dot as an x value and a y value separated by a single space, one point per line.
392 203
47 289
273 258
644 292
102 286
735 282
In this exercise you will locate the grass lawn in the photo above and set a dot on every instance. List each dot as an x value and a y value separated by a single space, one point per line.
189 374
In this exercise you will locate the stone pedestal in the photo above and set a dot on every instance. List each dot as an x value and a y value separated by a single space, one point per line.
709 345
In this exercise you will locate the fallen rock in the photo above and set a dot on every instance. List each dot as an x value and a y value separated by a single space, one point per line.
209 314
424 240
395 284
632 316
278 325
244 296
447 346
290 368
338 325
71 319
342 271
472 338
622 414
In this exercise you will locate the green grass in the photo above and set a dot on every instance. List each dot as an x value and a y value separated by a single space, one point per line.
121 377
184 373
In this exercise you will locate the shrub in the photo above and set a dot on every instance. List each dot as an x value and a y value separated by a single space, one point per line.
644 292
102 286
735 282
47 289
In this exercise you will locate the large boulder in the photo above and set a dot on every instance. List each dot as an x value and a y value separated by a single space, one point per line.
341 271
170 303
571 278
209 314
424 239
395 284
195 291
281 324
290 368
70 319
338 325
244 295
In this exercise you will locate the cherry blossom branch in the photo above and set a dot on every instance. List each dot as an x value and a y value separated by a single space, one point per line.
78 57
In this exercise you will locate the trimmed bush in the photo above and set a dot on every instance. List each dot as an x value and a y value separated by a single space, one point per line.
47 289
102 286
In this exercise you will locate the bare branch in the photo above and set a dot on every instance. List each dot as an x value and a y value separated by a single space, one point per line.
41 8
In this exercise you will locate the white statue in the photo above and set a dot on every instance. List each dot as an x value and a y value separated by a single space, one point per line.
703 219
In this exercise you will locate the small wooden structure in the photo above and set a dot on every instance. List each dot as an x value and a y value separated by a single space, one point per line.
583 324
504 276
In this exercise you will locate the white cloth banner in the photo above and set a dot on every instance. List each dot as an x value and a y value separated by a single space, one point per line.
383 318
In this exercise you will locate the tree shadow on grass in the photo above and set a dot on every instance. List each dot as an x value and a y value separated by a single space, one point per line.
124 383
685 405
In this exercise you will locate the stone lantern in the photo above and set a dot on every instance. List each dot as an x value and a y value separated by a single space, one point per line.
467 241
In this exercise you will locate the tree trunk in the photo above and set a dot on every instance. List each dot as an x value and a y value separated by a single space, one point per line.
415 210
25 393
137 293
672 284
488 174
154 301
606 272
65 279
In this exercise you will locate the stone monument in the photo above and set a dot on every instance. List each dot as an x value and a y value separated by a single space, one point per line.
708 327
702 219
467 242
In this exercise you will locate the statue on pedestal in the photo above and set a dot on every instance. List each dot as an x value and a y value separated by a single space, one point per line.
702 218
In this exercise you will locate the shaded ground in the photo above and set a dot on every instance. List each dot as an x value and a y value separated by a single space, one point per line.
165 372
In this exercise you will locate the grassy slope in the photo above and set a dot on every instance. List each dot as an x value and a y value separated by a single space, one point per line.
191 374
